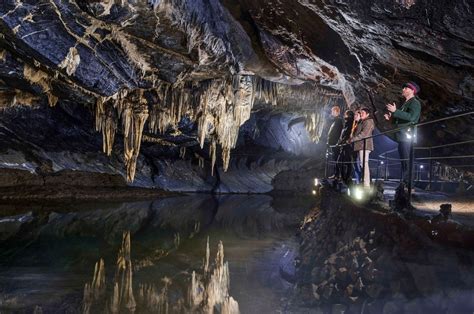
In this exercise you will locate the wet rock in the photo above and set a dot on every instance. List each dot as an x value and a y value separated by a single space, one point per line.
339 309
391 307
374 307
413 306
374 290
424 277
359 285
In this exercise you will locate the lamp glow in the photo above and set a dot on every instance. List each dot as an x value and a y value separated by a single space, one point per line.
381 162
314 192
358 194
316 182
421 166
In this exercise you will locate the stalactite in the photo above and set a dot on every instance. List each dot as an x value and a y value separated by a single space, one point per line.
134 116
200 160
218 106
106 123
41 78
71 61
182 152
213 154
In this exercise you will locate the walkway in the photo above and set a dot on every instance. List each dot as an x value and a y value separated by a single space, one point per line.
429 202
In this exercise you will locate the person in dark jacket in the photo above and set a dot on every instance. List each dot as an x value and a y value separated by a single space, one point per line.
345 159
364 129
333 136
357 170
407 115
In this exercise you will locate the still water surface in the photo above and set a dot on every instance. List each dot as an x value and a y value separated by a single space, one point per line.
49 253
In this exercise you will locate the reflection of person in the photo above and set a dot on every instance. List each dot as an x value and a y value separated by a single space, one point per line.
364 129
407 115
344 162
333 135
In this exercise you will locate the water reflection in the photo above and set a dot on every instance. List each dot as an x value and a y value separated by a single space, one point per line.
48 255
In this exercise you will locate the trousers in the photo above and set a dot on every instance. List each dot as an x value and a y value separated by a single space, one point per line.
366 173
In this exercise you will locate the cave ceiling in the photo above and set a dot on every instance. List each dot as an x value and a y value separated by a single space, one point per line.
143 65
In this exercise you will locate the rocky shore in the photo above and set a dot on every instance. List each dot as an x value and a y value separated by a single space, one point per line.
359 260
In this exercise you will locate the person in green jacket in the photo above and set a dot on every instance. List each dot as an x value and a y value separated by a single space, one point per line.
407 115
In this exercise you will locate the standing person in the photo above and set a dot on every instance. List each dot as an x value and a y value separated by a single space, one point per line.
333 136
407 115
357 170
345 159
364 129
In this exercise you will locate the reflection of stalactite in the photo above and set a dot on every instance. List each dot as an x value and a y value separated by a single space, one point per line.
95 290
123 289
206 292
211 290
155 301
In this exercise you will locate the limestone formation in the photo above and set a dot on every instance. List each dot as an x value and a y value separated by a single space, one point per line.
208 289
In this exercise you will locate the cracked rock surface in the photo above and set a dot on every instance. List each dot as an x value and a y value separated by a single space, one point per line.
189 74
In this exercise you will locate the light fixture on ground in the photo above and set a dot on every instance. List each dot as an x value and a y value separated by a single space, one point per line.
356 193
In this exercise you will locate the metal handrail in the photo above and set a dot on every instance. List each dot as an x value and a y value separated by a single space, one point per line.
411 125
412 148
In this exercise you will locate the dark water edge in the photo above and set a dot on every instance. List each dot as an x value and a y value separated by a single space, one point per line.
48 255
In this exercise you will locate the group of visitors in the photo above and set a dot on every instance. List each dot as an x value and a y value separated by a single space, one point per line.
346 137
347 147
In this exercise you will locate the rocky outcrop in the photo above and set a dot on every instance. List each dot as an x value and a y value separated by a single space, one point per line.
190 73
361 261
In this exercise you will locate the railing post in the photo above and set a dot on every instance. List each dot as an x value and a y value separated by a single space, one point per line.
326 164
363 163
378 166
386 167
431 172
410 170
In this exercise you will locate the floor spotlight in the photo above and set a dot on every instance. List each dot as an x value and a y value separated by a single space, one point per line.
358 194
